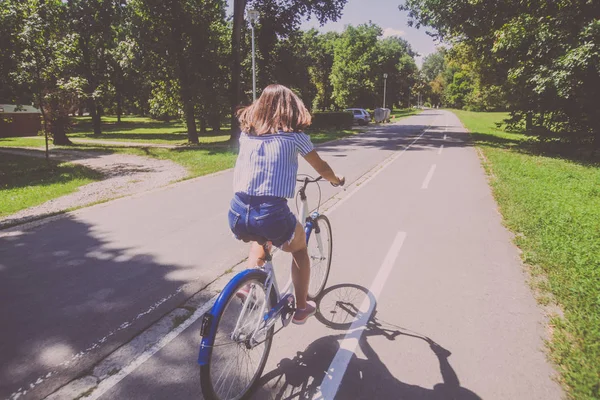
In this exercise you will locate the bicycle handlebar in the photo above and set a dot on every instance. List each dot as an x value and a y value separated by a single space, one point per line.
306 181
309 180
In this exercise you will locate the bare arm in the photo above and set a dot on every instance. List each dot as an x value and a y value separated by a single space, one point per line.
323 168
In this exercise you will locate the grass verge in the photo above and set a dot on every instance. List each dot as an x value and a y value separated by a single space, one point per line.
142 129
553 206
28 181
326 135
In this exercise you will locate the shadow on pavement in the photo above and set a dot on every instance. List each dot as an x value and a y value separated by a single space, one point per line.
365 378
68 296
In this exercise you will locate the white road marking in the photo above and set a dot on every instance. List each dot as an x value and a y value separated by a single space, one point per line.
381 167
111 381
337 368
445 136
440 150
97 343
428 177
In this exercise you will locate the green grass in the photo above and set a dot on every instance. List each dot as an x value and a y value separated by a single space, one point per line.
28 181
211 156
24 142
404 112
553 205
141 129
326 135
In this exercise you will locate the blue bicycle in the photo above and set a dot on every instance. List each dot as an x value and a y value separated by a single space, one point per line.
237 334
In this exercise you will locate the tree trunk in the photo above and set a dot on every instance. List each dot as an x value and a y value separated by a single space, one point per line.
58 127
185 79
190 120
59 136
202 125
215 122
119 107
95 117
529 121
238 20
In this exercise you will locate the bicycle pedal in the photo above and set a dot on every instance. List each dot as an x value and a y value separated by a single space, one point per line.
287 313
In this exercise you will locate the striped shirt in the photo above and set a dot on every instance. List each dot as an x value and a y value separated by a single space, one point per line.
267 164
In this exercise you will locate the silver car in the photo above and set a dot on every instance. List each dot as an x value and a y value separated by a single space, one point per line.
361 116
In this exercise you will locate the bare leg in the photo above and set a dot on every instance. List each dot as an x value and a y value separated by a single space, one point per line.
301 276
300 265
256 257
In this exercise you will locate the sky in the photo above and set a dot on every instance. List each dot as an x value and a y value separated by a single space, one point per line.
384 13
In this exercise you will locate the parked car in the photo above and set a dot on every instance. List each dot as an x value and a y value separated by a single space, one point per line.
361 116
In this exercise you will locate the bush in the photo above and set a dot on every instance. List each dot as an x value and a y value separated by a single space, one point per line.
338 120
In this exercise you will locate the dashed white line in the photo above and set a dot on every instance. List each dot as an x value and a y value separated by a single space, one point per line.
337 368
428 177
440 150
381 167
377 285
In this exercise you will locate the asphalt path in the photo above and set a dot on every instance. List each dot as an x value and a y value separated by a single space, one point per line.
76 287
420 251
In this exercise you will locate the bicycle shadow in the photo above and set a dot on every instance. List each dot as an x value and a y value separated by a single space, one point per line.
365 378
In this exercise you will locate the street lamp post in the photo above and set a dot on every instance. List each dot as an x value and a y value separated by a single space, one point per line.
384 87
252 16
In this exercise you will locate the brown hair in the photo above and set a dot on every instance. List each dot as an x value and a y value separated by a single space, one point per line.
277 109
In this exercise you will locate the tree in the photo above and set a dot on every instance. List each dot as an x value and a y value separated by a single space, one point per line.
292 64
46 64
11 21
434 64
92 23
396 58
278 18
320 56
544 56
182 37
351 76
361 59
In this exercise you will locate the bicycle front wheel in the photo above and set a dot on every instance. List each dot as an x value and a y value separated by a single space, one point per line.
238 355
320 247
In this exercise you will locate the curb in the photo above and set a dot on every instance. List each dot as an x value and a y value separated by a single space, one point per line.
117 365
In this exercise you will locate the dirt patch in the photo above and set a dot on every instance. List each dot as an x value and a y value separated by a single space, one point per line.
124 175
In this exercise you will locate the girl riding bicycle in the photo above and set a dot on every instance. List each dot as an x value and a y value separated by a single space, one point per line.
265 176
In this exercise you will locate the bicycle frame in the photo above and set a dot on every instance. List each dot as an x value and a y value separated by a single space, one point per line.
267 272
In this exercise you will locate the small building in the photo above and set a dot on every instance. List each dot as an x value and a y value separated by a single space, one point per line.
19 120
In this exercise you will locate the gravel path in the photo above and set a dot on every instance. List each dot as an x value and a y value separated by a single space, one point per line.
124 175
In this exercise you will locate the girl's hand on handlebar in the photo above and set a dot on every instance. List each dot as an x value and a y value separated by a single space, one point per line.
340 181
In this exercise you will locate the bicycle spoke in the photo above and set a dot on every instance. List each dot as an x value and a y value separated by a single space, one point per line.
234 367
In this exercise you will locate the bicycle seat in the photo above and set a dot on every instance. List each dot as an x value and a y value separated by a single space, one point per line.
253 238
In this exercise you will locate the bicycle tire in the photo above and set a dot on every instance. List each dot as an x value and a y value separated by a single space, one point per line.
339 305
319 273
206 371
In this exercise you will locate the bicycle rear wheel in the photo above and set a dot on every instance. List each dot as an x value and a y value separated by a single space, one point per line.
235 365
320 247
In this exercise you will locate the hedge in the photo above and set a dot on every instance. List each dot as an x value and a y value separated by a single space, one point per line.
338 120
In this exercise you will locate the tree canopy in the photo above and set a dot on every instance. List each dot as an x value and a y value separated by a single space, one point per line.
544 57
185 59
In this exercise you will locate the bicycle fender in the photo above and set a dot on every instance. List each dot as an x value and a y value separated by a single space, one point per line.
308 227
210 319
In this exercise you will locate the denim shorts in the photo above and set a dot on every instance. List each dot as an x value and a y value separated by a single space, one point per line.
266 217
